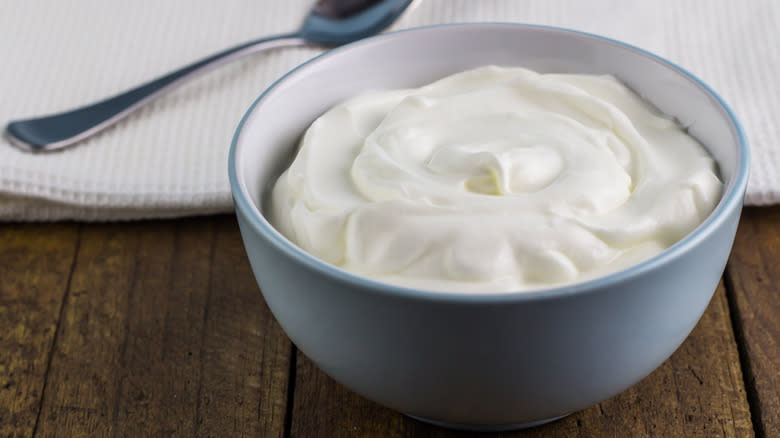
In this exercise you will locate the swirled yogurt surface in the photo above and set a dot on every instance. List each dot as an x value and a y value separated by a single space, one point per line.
494 179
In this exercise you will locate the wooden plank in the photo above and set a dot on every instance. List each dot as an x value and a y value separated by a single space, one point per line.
698 392
90 361
35 264
165 333
246 354
754 273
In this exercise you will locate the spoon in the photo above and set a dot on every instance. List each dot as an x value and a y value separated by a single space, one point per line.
330 23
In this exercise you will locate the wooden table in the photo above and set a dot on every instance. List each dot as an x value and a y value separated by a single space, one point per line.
158 329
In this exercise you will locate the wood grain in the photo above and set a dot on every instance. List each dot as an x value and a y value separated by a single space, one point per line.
754 273
247 355
164 333
698 392
35 264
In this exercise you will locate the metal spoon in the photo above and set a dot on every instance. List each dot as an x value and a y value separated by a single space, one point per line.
330 23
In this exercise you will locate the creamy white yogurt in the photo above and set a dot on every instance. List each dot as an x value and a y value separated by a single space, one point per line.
494 179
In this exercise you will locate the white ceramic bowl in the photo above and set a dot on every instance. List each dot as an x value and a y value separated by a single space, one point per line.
493 360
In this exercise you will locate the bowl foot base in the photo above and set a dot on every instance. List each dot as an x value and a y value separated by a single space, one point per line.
487 427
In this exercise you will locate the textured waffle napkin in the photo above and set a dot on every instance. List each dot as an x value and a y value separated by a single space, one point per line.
170 158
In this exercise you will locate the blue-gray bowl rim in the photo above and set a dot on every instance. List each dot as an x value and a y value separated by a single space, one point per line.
732 200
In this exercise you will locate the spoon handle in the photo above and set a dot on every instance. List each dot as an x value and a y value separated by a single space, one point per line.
57 131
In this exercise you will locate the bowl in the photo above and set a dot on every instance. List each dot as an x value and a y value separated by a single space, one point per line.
487 361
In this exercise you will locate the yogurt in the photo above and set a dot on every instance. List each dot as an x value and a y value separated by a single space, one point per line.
494 180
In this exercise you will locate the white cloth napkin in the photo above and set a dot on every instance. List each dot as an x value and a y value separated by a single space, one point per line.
170 158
